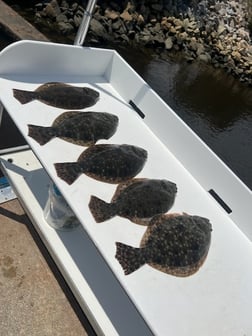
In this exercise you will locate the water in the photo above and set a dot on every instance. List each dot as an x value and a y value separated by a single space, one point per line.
216 106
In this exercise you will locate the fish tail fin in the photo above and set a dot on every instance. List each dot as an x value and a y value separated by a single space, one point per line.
23 96
129 257
68 171
41 134
101 210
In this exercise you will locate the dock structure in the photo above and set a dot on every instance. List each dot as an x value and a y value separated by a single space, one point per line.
16 26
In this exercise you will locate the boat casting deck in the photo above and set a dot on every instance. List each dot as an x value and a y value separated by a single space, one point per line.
216 283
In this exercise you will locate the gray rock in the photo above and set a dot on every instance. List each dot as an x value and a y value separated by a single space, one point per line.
111 14
64 4
39 6
168 43
221 29
75 6
159 38
98 29
116 25
200 49
119 27
65 28
124 37
52 10
193 44
61 18
144 38
204 57
77 20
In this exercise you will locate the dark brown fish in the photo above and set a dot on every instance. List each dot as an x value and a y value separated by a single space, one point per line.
82 128
137 200
106 163
59 95
174 244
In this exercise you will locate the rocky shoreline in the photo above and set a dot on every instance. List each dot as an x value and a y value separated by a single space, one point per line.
215 32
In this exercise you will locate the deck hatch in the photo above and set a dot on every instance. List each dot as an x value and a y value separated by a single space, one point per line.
220 201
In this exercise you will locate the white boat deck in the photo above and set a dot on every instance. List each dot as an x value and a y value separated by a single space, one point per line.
217 299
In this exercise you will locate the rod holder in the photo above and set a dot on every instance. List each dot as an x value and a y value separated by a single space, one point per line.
83 29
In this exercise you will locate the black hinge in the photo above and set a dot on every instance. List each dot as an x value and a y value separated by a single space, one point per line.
137 109
220 201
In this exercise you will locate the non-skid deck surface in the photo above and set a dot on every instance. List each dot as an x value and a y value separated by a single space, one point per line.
214 301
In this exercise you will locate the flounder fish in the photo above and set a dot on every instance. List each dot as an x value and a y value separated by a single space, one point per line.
138 200
82 128
59 95
174 244
105 162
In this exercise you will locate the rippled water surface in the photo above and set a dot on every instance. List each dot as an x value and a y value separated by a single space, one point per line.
215 105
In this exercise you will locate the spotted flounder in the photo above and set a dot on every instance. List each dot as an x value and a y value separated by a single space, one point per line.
82 128
59 95
108 163
138 200
174 244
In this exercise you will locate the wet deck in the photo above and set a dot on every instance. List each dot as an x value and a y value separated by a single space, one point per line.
34 298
